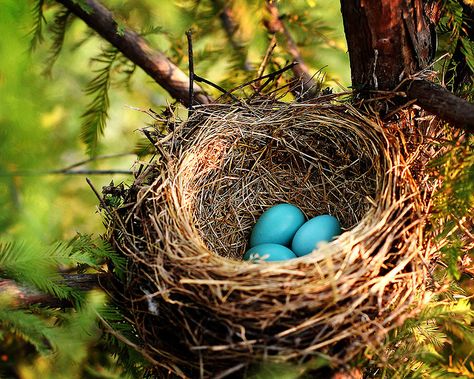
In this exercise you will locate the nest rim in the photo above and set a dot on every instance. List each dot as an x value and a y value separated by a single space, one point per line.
377 238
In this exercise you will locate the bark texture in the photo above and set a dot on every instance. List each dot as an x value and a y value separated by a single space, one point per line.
391 40
439 101
388 40
135 48
22 296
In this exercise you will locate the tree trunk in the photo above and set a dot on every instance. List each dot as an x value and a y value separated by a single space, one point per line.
388 40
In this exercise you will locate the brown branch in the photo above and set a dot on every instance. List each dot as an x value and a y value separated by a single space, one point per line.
301 71
135 48
442 103
21 296
393 40
230 26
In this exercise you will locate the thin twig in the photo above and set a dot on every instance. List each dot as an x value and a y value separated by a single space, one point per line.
91 172
266 58
101 200
189 36
216 86
67 172
270 75
93 159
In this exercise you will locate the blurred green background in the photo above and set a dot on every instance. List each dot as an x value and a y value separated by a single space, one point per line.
40 116
40 132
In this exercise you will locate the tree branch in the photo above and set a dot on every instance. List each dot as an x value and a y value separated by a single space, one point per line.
23 296
390 40
301 71
230 26
442 103
135 48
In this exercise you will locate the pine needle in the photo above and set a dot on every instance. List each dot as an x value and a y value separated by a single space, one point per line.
96 114
36 32
58 29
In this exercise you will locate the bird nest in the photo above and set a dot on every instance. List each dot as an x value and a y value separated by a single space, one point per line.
185 224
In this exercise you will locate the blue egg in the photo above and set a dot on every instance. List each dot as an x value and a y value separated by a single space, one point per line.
319 229
278 225
268 252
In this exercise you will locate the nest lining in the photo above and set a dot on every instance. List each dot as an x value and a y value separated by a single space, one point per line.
200 309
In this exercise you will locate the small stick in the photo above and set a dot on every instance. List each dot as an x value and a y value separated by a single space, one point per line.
66 172
266 58
101 200
270 75
99 157
200 79
90 172
191 69
150 138
310 88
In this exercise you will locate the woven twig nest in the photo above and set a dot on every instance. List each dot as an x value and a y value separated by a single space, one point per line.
200 309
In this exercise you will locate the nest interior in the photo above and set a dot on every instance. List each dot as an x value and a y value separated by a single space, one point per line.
186 221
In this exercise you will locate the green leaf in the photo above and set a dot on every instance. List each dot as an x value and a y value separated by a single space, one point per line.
67 343
29 327
58 29
84 5
36 32
468 51
37 266
98 251
95 116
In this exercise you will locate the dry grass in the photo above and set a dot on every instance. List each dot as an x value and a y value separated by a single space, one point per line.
201 310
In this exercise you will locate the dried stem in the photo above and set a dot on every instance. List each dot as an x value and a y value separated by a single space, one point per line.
189 36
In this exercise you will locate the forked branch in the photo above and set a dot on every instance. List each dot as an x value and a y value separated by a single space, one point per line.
392 40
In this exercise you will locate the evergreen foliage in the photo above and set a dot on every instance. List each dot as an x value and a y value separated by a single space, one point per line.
97 252
456 29
58 29
65 337
454 202
38 20
436 343
95 116
37 266
433 344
